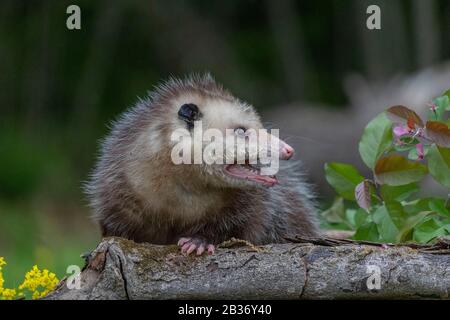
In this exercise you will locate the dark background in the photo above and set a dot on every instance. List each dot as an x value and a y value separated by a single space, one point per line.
60 88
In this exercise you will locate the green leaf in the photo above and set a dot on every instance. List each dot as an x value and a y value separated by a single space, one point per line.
404 147
409 141
439 164
376 138
406 233
413 155
430 229
386 227
336 212
398 193
360 217
356 217
442 103
343 178
367 231
395 170
418 205
438 205
447 93
397 213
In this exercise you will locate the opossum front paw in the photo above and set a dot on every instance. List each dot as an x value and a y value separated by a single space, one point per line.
200 245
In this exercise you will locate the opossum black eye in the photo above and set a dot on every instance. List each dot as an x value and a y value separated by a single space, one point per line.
189 112
240 131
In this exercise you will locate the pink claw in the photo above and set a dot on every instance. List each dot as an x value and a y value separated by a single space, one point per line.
183 241
189 245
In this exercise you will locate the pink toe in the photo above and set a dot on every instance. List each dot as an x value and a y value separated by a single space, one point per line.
200 250
192 247
185 247
211 249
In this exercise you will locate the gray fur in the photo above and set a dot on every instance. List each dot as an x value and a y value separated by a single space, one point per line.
258 214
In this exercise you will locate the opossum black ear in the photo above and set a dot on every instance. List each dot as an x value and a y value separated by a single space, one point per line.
189 112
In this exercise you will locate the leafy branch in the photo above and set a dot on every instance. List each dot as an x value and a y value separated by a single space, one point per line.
400 149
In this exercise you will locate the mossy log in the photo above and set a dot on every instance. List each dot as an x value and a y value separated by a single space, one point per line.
303 269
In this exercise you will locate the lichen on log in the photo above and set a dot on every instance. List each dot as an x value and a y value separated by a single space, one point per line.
302 269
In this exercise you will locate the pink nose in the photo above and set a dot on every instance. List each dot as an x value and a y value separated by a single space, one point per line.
286 151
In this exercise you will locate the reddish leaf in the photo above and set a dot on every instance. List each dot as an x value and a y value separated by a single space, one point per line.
439 133
404 115
395 170
362 194
411 124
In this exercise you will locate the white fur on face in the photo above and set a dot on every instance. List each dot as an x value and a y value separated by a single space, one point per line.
217 113
223 114
152 181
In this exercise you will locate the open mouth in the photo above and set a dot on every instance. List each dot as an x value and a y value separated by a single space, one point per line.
249 172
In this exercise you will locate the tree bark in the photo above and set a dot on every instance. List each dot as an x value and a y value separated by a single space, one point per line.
304 269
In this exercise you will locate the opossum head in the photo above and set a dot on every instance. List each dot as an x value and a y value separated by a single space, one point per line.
214 138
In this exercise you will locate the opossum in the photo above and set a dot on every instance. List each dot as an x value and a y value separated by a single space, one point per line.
137 192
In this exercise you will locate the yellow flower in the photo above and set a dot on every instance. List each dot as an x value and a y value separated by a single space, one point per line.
38 282
8 294
2 281
5 294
